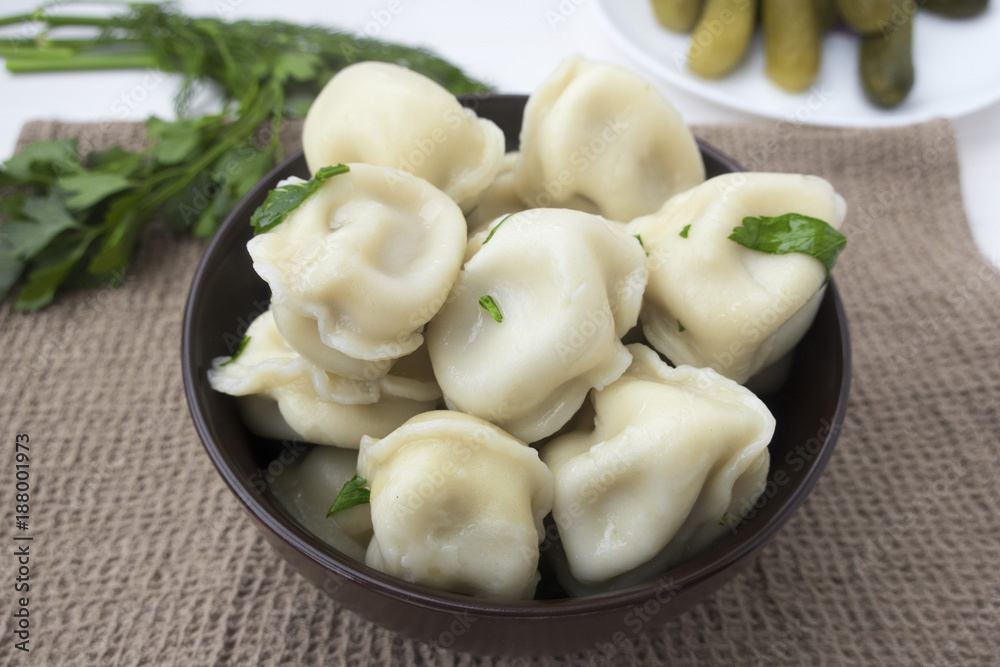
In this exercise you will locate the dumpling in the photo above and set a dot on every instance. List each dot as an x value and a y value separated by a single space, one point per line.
283 396
303 337
499 199
360 266
307 488
713 302
598 138
387 115
675 459
457 505
268 361
568 285
296 413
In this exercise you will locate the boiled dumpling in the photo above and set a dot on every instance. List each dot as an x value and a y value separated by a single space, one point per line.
302 334
600 139
283 396
457 505
499 199
387 115
267 361
675 458
360 266
567 285
713 302
307 488
296 413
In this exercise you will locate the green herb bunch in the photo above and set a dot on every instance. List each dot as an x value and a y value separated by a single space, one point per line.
75 223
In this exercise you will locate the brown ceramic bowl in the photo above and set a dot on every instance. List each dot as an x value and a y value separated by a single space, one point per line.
226 295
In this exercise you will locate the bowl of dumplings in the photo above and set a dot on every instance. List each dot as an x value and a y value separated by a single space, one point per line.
518 374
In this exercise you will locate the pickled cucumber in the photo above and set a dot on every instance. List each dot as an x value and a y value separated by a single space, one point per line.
866 16
791 43
887 63
958 9
826 12
721 37
677 15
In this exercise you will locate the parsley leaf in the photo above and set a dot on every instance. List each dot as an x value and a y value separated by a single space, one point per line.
58 259
37 222
44 161
490 305
175 142
41 220
239 350
88 188
680 327
285 199
196 168
11 267
494 230
638 237
684 232
792 232
353 493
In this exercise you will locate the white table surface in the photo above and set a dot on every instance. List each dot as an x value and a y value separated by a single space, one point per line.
513 45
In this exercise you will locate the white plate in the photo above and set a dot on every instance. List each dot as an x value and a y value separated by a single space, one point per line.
957 64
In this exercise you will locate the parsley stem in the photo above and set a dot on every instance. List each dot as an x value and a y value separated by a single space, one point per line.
47 53
18 47
78 62
18 18
490 305
258 67
57 20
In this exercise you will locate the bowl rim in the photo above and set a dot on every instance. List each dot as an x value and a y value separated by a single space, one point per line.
676 580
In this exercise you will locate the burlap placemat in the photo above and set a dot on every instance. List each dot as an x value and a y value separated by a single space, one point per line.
141 555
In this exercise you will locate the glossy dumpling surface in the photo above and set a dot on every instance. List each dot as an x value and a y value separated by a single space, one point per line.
283 396
457 504
386 115
267 361
676 457
307 487
598 138
362 265
568 286
741 309
499 199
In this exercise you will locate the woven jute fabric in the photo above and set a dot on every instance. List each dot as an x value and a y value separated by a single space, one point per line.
142 556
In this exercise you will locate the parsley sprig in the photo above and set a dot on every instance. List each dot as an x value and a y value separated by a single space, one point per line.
792 232
352 493
239 351
489 305
286 198
69 222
